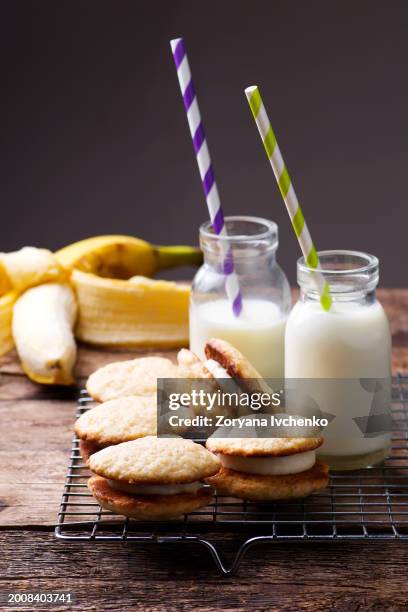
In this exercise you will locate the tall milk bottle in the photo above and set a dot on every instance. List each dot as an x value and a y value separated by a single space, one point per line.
259 331
347 352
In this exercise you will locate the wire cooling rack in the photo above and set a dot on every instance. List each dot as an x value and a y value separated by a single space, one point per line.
367 504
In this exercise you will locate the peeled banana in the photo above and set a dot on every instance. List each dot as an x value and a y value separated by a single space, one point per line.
43 321
19 270
28 267
138 312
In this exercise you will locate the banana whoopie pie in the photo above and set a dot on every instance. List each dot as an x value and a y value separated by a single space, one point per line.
226 361
226 367
260 468
223 362
133 377
152 478
116 421
139 376
266 469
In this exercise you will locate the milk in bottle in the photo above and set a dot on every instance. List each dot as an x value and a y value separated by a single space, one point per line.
350 342
259 330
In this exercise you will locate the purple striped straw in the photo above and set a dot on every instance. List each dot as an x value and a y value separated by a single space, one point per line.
206 170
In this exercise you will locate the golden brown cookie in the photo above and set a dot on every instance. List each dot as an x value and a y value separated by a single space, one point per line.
154 460
119 420
262 447
230 358
134 377
147 507
270 488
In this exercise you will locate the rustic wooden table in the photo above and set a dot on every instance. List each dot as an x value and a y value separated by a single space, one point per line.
36 430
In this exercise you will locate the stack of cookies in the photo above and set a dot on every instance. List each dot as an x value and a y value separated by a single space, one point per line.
136 473
141 475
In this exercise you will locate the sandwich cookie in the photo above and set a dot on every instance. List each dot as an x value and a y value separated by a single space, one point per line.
267 469
191 366
229 370
116 421
225 361
152 478
133 377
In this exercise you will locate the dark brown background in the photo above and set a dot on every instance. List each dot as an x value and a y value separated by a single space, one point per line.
95 139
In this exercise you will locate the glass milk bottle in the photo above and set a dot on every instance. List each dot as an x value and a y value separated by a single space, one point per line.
259 330
351 343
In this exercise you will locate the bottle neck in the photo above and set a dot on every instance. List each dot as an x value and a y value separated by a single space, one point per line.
361 297
352 277
255 262
250 242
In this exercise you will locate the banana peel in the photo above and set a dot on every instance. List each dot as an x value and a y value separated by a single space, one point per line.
118 304
140 312
121 257
6 315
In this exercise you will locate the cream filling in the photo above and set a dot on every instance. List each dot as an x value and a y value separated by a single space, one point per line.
270 466
146 489
220 374
216 369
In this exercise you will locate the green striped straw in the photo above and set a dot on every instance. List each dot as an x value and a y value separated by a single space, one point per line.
288 193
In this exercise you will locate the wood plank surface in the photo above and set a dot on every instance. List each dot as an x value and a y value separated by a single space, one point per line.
33 461
343 577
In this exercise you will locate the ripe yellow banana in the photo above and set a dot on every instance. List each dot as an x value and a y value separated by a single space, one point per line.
43 321
122 257
118 305
6 314
138 312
